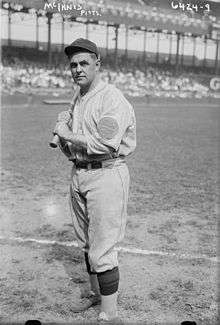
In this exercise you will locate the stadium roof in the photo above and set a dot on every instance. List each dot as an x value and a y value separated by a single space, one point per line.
135 13
158 4
37 4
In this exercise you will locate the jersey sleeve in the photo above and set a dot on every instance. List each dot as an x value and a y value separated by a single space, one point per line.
113 120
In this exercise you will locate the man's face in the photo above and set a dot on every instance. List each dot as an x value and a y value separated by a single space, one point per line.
84 68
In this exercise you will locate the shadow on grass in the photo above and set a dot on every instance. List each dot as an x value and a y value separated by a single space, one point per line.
72 260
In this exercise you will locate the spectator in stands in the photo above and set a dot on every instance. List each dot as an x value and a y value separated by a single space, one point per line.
132 80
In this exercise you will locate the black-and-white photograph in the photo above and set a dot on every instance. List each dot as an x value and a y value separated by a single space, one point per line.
109 162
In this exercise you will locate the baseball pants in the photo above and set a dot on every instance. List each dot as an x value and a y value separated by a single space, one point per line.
98 203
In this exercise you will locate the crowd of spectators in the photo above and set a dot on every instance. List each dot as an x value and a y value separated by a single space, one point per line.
154 81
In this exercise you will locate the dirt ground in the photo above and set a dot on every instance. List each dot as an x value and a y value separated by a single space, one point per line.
172 217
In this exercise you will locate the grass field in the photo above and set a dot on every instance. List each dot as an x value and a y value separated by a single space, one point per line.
172 210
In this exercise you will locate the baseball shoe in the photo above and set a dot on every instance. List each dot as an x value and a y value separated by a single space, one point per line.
104 319
88 293
85 303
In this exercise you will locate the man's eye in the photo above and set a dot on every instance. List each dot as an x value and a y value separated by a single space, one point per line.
84 63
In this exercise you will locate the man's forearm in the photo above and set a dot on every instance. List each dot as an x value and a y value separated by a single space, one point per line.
64 132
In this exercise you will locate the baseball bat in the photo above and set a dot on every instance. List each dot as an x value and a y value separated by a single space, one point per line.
55 141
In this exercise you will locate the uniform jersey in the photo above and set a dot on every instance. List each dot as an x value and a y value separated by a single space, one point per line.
107 120
98 197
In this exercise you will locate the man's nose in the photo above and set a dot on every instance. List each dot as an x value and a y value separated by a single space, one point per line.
78 68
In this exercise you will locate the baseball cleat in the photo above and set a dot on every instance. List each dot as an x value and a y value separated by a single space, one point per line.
86 303
88 293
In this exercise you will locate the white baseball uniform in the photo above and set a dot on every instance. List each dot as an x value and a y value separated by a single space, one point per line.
98 197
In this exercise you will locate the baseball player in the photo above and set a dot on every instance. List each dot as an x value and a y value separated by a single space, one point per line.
97 137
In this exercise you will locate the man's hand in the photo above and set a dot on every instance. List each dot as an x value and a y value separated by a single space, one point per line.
64 116
64 147
63 131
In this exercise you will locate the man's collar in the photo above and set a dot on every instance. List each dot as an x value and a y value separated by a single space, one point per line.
99 85
92 86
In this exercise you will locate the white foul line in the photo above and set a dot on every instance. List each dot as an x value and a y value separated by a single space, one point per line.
130 250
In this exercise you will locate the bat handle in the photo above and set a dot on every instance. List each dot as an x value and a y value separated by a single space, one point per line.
55 141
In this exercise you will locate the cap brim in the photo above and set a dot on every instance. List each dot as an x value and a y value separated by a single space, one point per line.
70 50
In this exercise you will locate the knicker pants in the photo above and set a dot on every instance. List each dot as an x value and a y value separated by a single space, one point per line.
98 203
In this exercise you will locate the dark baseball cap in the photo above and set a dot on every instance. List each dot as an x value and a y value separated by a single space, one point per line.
81 44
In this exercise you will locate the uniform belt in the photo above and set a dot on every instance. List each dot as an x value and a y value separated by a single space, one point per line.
88 165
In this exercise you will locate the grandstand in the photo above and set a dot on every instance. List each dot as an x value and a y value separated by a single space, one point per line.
150 17
158 64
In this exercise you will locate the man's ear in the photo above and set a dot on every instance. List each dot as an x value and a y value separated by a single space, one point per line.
98 63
